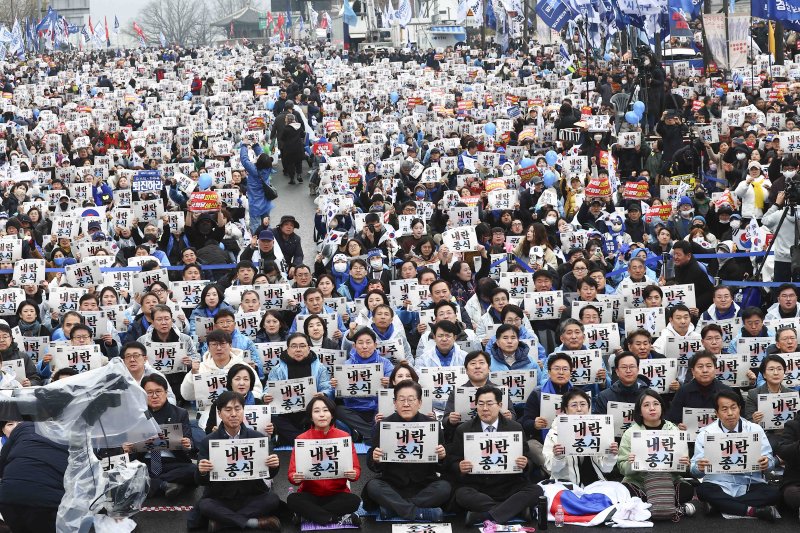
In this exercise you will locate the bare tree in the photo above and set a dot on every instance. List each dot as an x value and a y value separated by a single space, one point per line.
19 9
181 21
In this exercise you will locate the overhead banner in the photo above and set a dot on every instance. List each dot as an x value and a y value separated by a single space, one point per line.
716 39
738 36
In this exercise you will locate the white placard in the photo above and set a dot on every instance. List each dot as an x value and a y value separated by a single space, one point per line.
357 381
543 305
208 386
659 451
257 417
291 395
622 414
239 459
409 442
777 409
169 438
651 319
585 366
166 357
323 458
732 370
518 383
695 418
493 453
732 453
441 380
661 372
81 358
583 435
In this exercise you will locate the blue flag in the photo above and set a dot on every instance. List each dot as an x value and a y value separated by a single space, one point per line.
491 20
288 23
772 10
554 13
349 16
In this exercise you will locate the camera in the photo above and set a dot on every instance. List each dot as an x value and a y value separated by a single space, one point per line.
792 191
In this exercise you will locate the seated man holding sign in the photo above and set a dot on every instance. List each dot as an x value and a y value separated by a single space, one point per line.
731 455
324 496
700 391
407 489
505 492
245 503
171 470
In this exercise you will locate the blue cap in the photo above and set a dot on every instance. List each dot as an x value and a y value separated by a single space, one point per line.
685 200
266 235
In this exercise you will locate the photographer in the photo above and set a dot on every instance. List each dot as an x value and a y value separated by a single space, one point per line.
785 238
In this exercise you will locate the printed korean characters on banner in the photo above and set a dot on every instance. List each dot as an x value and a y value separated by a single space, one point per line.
731 328
732 453
584 435
357 381
207 388
330 358
606 310
258 417
662 373
585 366
777 409
732 370
464 401
493 453
653 320
682 348
755 348
323 458
16 368
518 383
622 415
169 438
791 378
10 300
239 459
679 294
422 528
29 271
409 442
460 239
81 358
695 419
270 353
291 395
166 357
386 402
441 380
659 451
603 337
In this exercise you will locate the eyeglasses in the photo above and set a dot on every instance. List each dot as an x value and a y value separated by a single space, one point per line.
5 337
80 337
486 405
298 346
510 320
406 401
133 356
580 269
158 291
560 369
155 393
627 368
578 405
225 322
217 344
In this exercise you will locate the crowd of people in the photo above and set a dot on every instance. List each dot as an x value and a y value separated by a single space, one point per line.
497 216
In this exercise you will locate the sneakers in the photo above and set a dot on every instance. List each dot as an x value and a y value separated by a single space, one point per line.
269 523
429 514
350 520
767 513
173 490
689 509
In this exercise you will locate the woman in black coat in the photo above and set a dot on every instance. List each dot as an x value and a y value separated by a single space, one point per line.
292 151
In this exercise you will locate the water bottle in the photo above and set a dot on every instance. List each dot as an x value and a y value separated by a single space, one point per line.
541 513
559 517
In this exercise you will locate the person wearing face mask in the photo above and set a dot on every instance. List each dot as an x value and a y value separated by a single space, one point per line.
377 268
785 238
780 170
753 191
680 223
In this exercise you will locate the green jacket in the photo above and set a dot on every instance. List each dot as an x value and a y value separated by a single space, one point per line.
626 467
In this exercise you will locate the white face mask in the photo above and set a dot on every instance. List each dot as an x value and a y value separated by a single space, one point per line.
616 227
789 174
376 265
740 156
689 213
550 221
735 224
340 267
598 138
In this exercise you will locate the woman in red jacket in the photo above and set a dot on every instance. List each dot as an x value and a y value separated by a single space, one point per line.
324 501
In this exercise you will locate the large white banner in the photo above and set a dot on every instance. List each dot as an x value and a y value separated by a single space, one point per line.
738 35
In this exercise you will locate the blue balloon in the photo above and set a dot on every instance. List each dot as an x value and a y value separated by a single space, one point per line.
549 178
329 87
270 105
638 107
526 162
551 157
394 97
632 118
490 129
204 181
607 57
93 91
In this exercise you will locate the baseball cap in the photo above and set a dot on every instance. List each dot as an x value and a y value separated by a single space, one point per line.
266 235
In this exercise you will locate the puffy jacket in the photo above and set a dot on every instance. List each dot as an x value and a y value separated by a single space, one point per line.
567 467
619 393
318 371
784 240
208 366
367 403
324 487
32 469
625 467
522 359
259 205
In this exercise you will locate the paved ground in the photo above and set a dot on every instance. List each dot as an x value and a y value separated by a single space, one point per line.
295 200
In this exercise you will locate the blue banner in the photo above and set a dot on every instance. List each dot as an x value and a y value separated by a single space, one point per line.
554 13
147 181
776 9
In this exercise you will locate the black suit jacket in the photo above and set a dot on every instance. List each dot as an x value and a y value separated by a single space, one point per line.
171 414
497 486
230 490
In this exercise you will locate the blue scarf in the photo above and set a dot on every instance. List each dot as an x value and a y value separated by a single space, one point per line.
250 399
495 316
210 313
446 359
357 288
383 336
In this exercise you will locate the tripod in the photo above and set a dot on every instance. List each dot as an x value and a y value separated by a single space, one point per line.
788 206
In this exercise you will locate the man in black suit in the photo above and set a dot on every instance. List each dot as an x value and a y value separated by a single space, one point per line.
495 497
170 471
246 504
412 491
